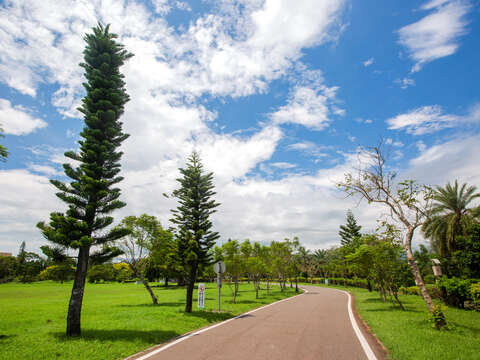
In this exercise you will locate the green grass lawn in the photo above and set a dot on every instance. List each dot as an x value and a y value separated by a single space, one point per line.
408 335
118 320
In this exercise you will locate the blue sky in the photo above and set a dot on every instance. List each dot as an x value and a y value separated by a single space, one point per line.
277 96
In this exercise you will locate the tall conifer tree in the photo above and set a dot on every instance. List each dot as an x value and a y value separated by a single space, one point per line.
194 237
350 230
92 194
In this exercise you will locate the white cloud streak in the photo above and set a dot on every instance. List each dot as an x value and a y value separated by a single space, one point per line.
437 34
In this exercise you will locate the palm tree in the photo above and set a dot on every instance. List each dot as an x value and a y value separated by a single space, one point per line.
450 216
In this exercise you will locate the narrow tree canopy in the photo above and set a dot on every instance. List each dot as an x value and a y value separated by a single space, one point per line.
92 194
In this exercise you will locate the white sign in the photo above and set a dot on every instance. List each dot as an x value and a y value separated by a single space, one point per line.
201 296
219 267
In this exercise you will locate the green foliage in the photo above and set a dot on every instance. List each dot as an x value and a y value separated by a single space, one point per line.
3 149
92 194
28 265
455 291
475 293
194 236
450 216
465 261
99 273
61 273
438 317
350 230
8 265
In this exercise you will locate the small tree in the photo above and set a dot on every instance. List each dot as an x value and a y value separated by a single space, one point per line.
350 230
91 194
142 231
407 202
194 236
233 264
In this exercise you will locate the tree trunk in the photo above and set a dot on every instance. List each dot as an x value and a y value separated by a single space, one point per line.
296 284
147 286
190 286
76 299
166 281
369 285
415 271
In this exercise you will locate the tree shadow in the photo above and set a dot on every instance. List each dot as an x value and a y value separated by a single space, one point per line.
152 336
5 337
211 316
174 304
245 302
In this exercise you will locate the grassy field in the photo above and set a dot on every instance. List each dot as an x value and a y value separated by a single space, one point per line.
117 319
408 335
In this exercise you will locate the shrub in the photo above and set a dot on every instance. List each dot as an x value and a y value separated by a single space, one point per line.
475 293
99 273
455 291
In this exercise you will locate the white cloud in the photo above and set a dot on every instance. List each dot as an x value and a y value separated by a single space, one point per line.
16 120
283 165
26 200
428 119
236 51
44 169
368 62
423 120
437 34
307 106
421 146
445 162
405 82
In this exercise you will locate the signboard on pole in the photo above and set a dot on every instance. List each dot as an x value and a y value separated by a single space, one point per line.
219 268
201 296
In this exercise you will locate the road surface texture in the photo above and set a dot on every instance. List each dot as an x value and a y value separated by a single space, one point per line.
314 325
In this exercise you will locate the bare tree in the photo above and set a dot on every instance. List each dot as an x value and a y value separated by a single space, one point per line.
407 201
135 246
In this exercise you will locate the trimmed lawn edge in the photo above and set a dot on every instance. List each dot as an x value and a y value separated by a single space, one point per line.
154 349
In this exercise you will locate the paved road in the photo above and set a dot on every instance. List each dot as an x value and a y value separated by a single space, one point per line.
315 325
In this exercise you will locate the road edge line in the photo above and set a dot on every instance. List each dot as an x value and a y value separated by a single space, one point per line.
189 335
365 345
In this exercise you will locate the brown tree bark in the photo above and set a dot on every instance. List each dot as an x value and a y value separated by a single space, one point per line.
147 286
76 299
190 285
416 271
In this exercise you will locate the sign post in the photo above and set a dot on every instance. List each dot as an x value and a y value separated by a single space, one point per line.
201 296
219 268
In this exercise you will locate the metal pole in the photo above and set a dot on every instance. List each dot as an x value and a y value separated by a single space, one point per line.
219 284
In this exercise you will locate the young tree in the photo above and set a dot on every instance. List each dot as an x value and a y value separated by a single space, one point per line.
407 202
3 149
92 194
350 230
194 235
233 264
162 259
142 231
28 265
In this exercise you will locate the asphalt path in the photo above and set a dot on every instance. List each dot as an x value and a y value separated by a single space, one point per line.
314 325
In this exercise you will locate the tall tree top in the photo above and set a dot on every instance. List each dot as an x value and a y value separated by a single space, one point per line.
350 230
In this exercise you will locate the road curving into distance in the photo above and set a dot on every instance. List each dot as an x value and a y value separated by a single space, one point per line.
318 324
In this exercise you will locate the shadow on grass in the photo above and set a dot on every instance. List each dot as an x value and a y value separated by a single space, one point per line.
211 316
394 308
475 330
160 304
152 336
5 337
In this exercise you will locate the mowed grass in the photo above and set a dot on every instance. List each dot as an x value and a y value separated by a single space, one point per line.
118 320
409 335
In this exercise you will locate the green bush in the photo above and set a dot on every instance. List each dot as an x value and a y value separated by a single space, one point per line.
455 291
98 273
475 293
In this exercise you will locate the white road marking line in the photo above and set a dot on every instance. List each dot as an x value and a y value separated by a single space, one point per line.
366 347
165 347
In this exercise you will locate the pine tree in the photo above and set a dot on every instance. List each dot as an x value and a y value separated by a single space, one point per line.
194 237
91 194
350 231
3 149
